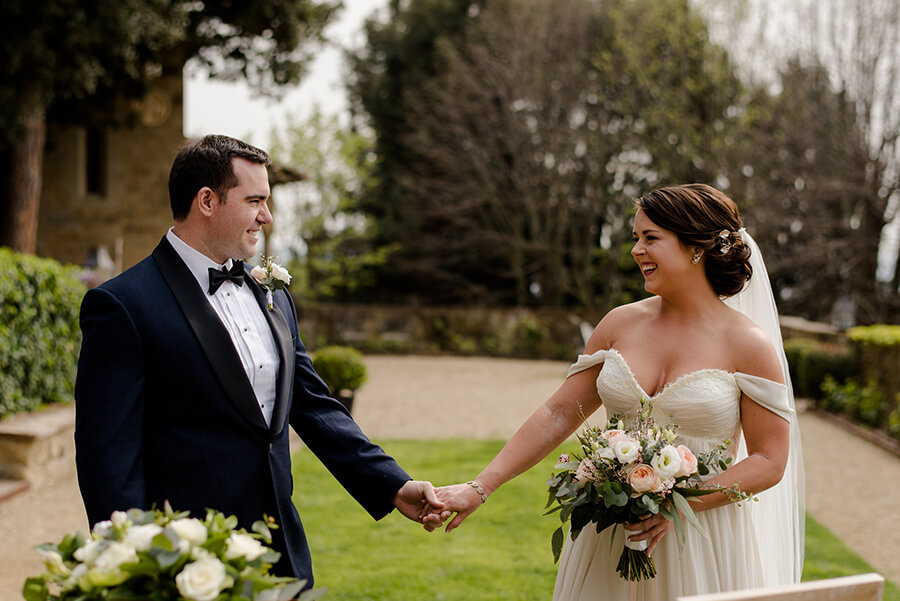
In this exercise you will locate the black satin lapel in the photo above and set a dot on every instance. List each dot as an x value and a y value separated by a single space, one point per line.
285 344
212 335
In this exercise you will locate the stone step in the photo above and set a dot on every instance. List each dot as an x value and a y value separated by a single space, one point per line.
32 443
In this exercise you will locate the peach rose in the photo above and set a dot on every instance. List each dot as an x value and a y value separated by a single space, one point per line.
688 461
643 479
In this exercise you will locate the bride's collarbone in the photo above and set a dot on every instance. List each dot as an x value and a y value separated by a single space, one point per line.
654 368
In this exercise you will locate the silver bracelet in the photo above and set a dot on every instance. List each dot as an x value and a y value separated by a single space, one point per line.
478 489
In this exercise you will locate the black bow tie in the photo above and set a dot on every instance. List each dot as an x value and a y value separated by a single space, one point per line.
218 276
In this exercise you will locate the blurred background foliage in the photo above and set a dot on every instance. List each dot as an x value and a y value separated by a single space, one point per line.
493 148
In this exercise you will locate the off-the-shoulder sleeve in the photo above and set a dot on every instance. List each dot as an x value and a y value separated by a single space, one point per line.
771 395
587 361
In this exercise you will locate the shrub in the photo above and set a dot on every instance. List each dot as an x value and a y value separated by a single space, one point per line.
861 402
893 420
341 367
39 332
878 335
811 361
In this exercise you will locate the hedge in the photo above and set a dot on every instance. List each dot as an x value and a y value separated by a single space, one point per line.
810 361
877 335
39 331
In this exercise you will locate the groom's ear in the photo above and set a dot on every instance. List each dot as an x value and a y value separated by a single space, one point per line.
206 201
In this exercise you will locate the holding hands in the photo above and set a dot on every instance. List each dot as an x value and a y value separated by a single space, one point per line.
417 501
463 499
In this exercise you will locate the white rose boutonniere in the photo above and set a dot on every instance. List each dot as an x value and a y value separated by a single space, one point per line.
271 276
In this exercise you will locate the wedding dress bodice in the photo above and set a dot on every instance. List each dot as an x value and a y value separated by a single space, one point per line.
705 408
703 405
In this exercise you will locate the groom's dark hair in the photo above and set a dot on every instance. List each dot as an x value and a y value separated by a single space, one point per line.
207 163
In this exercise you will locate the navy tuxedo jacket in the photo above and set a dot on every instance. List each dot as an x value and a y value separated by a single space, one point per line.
165 411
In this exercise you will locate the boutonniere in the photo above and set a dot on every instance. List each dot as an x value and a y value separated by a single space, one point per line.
271 276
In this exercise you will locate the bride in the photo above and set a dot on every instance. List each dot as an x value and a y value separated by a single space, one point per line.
706 349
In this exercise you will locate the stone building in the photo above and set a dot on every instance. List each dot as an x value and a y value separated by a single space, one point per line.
107 188
105 191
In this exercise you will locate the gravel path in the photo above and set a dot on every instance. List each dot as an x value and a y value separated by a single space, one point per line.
435 397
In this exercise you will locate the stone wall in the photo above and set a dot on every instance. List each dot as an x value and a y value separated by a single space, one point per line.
502 331
128 212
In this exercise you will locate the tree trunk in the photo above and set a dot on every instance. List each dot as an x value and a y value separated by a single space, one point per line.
26 162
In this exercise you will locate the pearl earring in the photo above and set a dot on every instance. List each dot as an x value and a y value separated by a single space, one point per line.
697 254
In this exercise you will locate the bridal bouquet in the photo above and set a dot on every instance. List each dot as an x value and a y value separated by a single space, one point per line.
625 472
164 555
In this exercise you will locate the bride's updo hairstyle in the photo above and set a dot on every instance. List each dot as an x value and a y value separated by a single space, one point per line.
704 218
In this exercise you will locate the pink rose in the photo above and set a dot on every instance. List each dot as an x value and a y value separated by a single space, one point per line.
643 479
688 461
586 471
614 436
258 273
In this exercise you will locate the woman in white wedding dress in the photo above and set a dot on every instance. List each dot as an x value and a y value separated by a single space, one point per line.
717 373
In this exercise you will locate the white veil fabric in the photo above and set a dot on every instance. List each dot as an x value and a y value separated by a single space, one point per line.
780 513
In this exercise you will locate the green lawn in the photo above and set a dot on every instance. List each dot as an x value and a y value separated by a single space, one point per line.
501 552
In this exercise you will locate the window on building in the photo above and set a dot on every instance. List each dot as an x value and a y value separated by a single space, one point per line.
96 161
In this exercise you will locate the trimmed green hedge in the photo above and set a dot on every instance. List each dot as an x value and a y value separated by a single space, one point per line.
39 331
341 367
810 361
878 335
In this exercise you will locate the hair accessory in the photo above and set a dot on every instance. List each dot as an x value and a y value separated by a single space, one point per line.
697 254
724 240
478 489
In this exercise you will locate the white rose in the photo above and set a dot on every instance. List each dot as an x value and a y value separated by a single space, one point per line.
242 545
102 529
106 570
627 450
202 580
280 273
141 537
54 562
190 531
667 462
89 552
604 453
118 518
115 555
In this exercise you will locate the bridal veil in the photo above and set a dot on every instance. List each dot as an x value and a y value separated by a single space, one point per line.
780 513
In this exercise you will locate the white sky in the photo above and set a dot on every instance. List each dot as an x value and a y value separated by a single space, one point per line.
230 108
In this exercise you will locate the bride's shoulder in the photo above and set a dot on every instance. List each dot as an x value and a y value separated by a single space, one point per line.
625 315
619 319
752 350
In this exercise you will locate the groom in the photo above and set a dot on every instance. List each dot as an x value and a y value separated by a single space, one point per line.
187 381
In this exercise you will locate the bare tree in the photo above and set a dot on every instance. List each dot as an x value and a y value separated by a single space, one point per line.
847 175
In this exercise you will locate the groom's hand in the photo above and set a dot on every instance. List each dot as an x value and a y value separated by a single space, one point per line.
416 500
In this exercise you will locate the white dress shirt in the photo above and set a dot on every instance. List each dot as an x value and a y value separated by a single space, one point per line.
242 316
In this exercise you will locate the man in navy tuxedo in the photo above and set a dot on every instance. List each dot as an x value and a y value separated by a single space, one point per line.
187 380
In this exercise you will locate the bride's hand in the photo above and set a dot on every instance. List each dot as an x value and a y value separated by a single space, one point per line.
461 498
652 529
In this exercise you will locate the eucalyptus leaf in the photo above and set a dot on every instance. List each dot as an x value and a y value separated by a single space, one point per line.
556 543
685 508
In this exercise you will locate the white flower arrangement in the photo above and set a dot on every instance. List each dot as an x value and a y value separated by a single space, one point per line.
164 555
271 276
